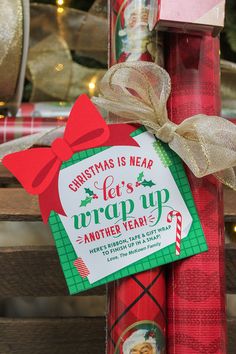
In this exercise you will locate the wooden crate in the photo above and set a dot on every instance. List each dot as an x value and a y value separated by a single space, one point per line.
35 271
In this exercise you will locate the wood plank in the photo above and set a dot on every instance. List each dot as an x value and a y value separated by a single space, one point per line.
52 336
36 271
16 204
231 268
231 326
229 196
229 204
67 335
5 176
33 271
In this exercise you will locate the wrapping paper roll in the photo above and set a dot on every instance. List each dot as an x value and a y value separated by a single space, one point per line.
45 109
196 303
13 128
136 318
136 314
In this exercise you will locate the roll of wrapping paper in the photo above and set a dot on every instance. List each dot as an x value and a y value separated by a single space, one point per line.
45 109
13 128
136 318
196 287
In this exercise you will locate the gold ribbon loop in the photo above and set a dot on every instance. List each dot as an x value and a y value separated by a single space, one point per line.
137 92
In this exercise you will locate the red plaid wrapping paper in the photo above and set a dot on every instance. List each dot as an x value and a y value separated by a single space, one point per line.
12 128
196 302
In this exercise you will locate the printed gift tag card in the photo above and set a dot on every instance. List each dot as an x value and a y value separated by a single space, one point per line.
117 200
128 209
122 205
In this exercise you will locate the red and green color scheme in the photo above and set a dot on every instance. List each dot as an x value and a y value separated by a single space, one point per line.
52 171
141 288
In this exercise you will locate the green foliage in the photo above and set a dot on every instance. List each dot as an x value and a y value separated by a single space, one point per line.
146 183
89 192
86 201
140 177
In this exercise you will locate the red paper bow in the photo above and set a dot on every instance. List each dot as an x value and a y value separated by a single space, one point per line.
38 169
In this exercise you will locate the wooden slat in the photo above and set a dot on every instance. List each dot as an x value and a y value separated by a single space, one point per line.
229 204
231 268
16 204
52 336
33 271
231 324
36 271
5 176
60 336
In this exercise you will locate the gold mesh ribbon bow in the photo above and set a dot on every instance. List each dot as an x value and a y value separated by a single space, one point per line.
139 91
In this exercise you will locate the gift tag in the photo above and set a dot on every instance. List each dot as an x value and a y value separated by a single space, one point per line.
117 200
127 209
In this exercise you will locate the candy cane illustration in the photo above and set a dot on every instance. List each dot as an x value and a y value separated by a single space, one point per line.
178 216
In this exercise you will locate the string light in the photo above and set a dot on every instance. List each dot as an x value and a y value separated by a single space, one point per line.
60 2
2 103
59 67
60 10
92 85
234 228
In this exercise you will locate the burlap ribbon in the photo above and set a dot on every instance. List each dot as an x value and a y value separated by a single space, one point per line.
14 32
84 32
53 72
139 92
51 68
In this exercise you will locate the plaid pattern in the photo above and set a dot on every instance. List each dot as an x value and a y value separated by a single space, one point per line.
196 304
12 128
